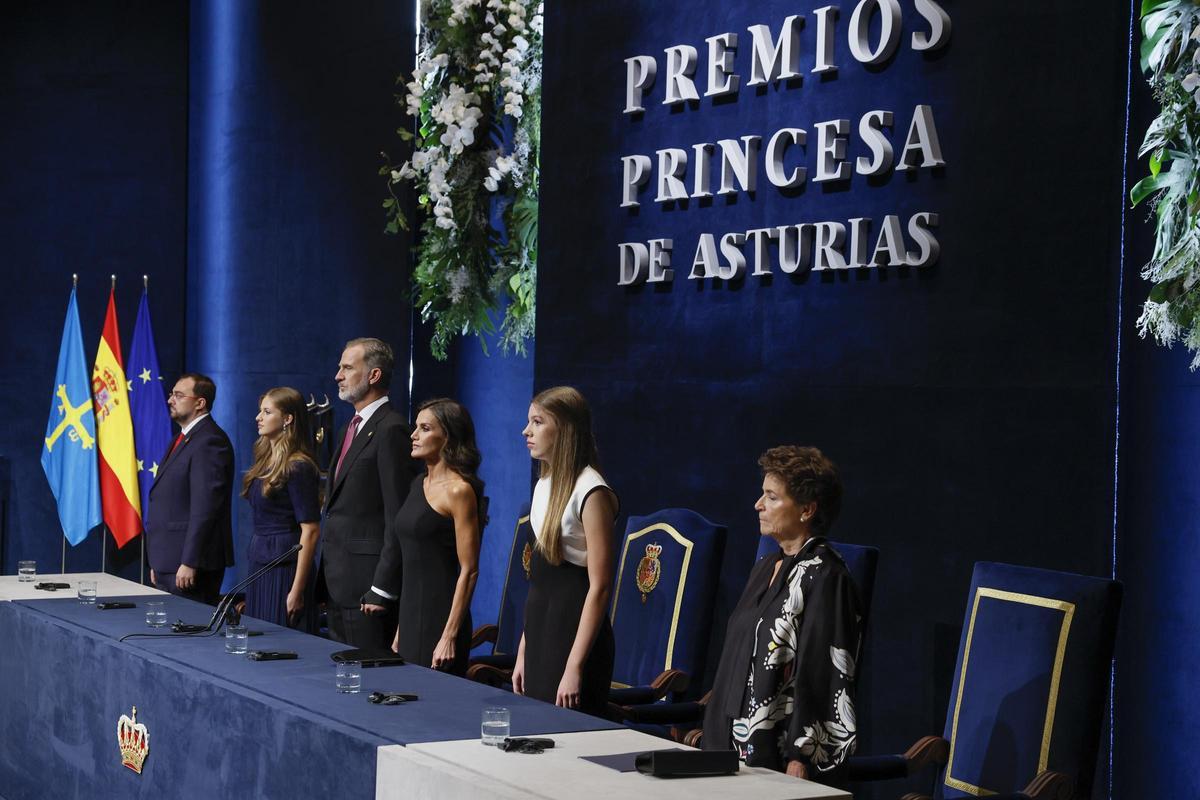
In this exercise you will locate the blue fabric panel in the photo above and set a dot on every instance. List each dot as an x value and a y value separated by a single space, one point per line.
1002 709
511 619
1007 692
95 98
642 624
450 707
289 106
496 388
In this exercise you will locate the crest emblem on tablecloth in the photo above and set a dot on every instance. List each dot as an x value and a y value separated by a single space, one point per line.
527 560
649 570
134 740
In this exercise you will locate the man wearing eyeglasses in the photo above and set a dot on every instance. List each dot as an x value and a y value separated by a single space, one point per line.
189 529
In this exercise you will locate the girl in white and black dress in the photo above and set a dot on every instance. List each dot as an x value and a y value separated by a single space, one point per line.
566 652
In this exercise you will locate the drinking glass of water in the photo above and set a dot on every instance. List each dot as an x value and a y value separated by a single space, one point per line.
349 677
26 571
235 639
156 614
494 728
87 593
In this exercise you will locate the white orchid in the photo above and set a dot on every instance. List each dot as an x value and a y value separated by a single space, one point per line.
480 60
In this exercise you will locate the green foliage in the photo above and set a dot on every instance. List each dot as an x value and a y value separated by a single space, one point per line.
1170 56
476 97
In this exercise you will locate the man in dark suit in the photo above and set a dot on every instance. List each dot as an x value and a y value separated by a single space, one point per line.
368 481
189 530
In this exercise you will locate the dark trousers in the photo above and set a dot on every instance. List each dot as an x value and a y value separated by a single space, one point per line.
353 627
206 589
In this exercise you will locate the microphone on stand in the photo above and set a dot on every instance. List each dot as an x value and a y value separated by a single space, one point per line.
224 608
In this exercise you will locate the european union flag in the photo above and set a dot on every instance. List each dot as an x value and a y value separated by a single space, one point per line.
147 402
69 449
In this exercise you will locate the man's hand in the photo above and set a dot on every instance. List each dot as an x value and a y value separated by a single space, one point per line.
185 577
372 610
797 769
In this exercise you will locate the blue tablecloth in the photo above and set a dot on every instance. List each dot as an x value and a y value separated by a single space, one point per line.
220 725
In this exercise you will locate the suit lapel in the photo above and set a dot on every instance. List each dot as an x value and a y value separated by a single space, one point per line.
361 441
173 454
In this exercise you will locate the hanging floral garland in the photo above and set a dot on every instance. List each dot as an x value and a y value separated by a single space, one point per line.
1170 55
476 96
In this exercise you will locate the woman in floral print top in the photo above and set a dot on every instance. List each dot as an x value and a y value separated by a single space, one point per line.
783 696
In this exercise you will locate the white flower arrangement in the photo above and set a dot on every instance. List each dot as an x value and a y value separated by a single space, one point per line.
476 97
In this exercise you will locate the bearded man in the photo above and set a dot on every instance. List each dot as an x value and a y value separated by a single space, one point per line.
367 483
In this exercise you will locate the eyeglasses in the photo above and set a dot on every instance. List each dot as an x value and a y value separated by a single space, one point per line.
182 396
517 744
390 698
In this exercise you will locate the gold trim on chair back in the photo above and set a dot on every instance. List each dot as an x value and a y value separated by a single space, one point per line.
1068 610
507 574
683 572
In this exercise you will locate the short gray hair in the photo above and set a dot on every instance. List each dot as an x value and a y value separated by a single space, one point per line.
377 354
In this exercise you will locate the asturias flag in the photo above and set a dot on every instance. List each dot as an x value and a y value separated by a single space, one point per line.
69 449
114 432
151 420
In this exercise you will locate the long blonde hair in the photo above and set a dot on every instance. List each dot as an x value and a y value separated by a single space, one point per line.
573 451
273 457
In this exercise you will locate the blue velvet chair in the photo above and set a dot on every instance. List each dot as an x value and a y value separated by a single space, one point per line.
681 720
505 634
666 582
1027 703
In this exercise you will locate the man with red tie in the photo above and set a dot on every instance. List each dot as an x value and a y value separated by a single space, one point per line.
367 484
189 528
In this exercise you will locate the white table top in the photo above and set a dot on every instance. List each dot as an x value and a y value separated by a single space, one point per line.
466 769
11 588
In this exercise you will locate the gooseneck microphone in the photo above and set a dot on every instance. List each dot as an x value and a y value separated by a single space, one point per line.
223 608
218 617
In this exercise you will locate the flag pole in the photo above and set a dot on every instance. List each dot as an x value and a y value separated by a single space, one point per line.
142 560
104 533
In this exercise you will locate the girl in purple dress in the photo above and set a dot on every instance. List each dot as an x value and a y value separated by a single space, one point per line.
281 486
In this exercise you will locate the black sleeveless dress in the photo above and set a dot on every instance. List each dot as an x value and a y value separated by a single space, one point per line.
430 569
552 613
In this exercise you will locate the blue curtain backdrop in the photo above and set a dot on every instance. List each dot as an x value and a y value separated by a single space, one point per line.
290 105
1158 534
94 183
229 151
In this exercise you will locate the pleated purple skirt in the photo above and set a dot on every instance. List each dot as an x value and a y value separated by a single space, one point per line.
266 598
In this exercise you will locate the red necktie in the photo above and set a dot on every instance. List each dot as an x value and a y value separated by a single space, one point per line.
350 432
174 444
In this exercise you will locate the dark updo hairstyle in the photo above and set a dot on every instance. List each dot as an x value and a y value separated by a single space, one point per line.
460 452
809 477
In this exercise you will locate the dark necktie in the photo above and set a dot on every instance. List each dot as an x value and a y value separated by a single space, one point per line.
350 432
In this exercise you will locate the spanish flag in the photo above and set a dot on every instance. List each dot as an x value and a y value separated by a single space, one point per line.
114 433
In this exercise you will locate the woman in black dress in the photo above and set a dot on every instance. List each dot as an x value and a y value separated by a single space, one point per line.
783 696
566 652
437 533
281 486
